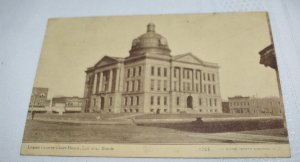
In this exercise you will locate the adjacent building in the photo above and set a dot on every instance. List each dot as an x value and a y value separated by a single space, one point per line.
225 107
254 105
151 80
38 100
67 104
239 104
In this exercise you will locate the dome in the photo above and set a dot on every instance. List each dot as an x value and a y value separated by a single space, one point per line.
150 42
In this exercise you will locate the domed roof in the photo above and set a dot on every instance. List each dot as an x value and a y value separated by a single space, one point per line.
150 42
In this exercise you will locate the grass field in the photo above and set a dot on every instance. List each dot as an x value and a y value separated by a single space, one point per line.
39 131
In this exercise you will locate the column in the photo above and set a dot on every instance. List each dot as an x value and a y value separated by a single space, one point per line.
100 81
193 77
97 84
94 84
110 80
180 79
200 81
117 86
171 78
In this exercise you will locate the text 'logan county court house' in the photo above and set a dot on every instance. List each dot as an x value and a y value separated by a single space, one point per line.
151 80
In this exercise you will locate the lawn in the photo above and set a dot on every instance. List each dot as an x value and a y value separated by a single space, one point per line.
39 131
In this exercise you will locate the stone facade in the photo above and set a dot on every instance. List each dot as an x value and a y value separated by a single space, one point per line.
151 80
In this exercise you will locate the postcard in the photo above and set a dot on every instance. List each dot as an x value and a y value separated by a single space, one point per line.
177 85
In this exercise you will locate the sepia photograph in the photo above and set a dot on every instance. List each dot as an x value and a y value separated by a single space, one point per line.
174 85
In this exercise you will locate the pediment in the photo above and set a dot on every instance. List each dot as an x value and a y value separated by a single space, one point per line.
106 60
188 58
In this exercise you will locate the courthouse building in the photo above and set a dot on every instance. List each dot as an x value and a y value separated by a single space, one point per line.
151 80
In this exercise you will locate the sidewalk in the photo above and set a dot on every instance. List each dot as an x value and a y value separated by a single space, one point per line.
77 121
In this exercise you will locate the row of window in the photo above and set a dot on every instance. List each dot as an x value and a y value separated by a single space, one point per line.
158 100
158 85
160 71
131 100
134 71
131 110
133 85
211 89
239 103
209 102
187 73
210 77
246 103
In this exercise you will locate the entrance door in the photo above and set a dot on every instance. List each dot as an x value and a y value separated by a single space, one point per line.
189 102
157 111
102 103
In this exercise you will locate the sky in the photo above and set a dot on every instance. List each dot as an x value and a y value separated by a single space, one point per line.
232 40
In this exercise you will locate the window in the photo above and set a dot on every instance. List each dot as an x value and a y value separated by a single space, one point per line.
125 101
158 100
197 88
184 86
215 102
188 74
128 73
158 85
140 70
196 75
139 85
203 76
209 90
204 88
94 102
165 100
106 86
152 84
174 73
210 102
152 100
158 71
175 86
188 86
208 77
110 101
213 77
137 100
165 85
178 100
131 100
165 110
165 72
127 86
214 89
200 101
152 70
132 88
136 110
184 73
133 71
